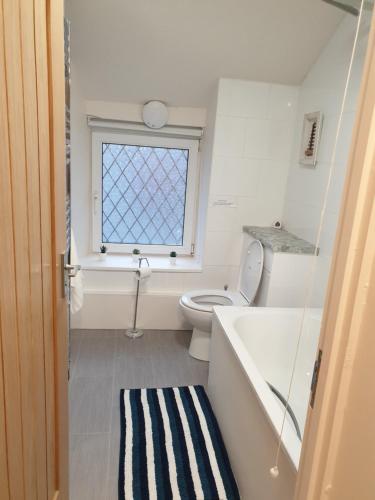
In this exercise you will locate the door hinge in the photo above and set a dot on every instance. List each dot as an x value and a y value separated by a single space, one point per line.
192 250
315 377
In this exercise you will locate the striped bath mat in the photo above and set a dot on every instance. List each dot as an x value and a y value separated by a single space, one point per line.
171 447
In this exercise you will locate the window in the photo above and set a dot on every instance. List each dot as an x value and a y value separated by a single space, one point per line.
144 192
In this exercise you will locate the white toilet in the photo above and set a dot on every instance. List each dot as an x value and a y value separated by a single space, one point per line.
197 305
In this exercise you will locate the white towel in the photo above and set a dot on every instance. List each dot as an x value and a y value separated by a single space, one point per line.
76 283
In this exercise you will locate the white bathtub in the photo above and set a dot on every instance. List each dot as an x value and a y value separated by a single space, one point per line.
250 347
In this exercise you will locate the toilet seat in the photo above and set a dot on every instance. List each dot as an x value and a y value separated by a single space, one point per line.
197 305
205 300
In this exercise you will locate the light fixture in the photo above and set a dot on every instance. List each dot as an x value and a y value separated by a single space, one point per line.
155 114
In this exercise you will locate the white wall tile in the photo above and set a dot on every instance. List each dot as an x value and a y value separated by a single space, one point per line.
272 182
229 136
281 140
327 139
285 296
223 217
293 269
248 211
115 311
319 287
283 102
345 138
336 188
321 99
257 175
243 98
323 90
307 184
223 248
219 276
257 138
302 219
328 233
235 176
261 212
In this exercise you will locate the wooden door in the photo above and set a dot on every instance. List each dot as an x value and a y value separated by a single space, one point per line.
33 311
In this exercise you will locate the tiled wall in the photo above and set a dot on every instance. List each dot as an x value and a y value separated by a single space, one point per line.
322 90
252 147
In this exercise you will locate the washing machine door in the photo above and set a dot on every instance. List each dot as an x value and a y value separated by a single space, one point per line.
251 272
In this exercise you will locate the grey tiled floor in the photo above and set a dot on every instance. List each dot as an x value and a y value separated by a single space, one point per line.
103 362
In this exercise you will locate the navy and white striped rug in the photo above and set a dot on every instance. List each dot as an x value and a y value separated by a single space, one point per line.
171 447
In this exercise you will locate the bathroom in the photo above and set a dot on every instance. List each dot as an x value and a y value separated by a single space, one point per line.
255 106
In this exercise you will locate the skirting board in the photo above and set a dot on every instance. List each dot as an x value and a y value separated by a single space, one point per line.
115 310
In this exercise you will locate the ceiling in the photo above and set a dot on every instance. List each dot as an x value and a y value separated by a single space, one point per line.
175 50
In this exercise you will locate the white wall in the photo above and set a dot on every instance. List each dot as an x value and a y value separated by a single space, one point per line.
244 159
251 157
322 90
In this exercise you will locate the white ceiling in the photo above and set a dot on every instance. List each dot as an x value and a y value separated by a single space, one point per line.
175 50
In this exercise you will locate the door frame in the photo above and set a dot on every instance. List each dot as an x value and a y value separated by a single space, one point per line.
325 469
55 28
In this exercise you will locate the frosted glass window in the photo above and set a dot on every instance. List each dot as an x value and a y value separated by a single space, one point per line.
143 194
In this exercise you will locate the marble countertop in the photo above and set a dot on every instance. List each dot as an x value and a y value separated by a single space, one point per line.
279 240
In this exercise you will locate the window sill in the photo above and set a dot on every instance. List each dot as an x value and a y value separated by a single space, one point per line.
116 262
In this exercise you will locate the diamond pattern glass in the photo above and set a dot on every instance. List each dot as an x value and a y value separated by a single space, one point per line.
144 194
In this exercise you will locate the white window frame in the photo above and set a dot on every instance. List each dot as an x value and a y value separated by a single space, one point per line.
98 138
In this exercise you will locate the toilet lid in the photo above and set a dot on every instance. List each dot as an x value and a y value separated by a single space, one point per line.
251 272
